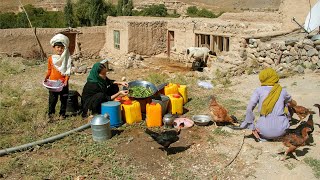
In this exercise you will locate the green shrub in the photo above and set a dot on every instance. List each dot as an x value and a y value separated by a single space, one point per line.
193 11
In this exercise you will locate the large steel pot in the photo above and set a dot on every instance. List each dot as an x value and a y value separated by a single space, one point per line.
145 100
145 84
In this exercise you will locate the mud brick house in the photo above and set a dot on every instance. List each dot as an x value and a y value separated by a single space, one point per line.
150 35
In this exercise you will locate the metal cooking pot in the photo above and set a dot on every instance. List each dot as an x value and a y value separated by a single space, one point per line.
168 120
145 84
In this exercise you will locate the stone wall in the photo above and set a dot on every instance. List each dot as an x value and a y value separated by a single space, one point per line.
297 54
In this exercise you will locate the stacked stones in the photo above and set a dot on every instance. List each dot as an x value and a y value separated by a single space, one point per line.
292 53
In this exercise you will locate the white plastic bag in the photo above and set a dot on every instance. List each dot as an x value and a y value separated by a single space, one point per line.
204 84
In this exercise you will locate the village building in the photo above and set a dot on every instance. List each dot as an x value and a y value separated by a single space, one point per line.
151 36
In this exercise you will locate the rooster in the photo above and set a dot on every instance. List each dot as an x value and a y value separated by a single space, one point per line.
301 111
318 106
165 138
220 114
295 140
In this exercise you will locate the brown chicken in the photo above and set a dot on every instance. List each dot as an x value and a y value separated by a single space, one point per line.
309 123
295 140
301 111
220 114
318 106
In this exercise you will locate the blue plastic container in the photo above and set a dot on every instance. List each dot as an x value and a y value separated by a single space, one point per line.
113 109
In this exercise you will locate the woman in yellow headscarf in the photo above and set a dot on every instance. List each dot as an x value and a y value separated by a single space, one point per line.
272 101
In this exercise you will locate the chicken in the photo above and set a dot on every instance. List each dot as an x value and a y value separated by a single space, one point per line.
301 111
318 106
220 114
309 123
295 140
165 138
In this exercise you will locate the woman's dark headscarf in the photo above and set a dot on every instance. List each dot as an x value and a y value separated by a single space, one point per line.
94 75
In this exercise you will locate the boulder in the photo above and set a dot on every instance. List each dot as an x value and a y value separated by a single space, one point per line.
314 59
307 64
291 42
303 52
312 52
308 47
299 69
269 61
283 47
252 41
293 51
308 42
290 59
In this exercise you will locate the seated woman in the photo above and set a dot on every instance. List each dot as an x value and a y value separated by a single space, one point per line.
98 89
272 102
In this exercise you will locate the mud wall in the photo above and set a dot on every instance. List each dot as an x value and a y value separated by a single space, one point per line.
114 24
22 40
147 38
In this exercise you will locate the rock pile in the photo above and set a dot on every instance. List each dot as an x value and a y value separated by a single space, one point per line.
293 53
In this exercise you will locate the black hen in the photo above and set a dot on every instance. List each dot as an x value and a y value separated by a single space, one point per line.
165 138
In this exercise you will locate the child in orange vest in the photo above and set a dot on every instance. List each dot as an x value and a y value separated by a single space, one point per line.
59 68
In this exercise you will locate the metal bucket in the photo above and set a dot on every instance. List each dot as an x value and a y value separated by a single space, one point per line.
163 100
100 126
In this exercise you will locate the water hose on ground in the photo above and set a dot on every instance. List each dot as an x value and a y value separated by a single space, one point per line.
43 141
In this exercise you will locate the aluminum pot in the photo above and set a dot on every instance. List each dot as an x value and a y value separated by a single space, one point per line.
168 120
145 84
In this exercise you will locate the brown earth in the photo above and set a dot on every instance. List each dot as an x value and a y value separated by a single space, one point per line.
201 153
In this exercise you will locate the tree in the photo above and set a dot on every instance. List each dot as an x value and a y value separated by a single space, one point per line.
68 14
192 11
7 20
96 12
93 12
155 10
124 7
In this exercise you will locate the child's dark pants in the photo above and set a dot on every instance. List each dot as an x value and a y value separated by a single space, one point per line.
53 99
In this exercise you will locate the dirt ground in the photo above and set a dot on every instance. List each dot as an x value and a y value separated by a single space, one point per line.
201 153
256 160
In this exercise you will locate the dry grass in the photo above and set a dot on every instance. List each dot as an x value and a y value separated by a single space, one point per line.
23 108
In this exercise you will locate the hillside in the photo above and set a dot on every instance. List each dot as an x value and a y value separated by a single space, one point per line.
215 5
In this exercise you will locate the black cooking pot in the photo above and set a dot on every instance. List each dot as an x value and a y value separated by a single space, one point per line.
73 105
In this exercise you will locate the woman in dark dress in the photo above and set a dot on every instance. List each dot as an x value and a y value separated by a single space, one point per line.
98 89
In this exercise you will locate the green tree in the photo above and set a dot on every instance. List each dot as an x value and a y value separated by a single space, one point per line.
82 13
93 12
7 20
155 10
206 13
124 7
96 12
192 11
68 14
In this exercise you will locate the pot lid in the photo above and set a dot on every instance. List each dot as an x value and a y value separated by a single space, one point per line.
100 119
